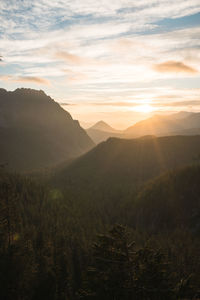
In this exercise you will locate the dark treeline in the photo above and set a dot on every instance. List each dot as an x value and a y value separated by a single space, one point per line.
57 246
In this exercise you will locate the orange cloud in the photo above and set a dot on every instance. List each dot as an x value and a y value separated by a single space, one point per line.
75 76
125 43
37 80
5 77
70 58
174 67
78 60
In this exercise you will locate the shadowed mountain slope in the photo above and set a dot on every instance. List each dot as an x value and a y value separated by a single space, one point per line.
190 131
119 162
35 132
99 136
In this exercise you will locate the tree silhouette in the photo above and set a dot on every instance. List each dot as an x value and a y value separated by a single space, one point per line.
120 271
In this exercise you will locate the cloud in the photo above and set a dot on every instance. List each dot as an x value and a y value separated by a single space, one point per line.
74 76
37 80
45 13
153 104
6 77
69 58
77 77
174 67
77 60
181 103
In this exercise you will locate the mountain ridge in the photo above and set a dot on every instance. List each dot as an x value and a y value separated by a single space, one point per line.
36 132
161 125
131 162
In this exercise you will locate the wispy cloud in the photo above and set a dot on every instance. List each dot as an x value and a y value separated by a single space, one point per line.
174 67
73 59
69 58
37 80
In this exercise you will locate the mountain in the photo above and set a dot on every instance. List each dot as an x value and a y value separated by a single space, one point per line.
161 125
192 121
181 115
99 136
103 126
52 233
190 131
35 132
119 163
156 125
171 201
101 131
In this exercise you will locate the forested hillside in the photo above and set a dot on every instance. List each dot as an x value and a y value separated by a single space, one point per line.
176 199
55 246
130 162
110 224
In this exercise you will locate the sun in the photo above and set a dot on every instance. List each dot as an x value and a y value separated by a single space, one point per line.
144 108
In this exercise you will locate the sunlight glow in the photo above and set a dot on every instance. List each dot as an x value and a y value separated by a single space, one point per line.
144 108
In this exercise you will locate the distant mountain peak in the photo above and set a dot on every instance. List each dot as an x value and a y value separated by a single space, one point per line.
102 123
103 126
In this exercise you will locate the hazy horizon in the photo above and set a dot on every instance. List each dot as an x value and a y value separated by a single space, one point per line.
133 117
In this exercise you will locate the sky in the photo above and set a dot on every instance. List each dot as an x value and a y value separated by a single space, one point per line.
112 60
